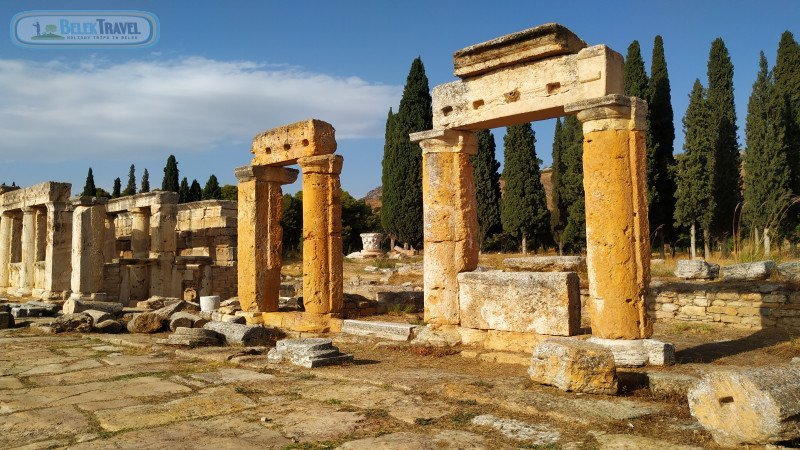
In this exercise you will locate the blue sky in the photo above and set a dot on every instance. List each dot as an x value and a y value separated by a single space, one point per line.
224 71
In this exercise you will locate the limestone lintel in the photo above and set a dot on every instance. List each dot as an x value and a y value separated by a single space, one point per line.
283 146
280 175
446 141
612 112
80 200
328 164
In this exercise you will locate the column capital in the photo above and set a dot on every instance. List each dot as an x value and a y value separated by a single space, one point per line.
326 164
274 174
446 141
28 210
612 112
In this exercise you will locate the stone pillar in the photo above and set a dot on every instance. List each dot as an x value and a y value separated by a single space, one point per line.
110 239
450 219
163 246
140 233
322 235
58 250
617 232
6 222
26 271
88 241
260 235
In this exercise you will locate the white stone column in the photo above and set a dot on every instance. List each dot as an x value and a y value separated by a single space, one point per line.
57 251
26 274
140 233
110 239
88 242
163 246
6 222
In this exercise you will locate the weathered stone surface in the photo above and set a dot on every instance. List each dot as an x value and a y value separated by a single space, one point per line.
537 302
754 271
80 322
696 269
185 319
73 306
444 336
193 337
283 146
32 310
98 316
633 442
147 322
574 365
442 440
546 263
758 405
238 334
535 434
638 352
6 320
384 330
108 326
543 41
790 271
308 352
670 384
167 311
157 302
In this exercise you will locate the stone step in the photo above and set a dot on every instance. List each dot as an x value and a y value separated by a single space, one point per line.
384 330
308 352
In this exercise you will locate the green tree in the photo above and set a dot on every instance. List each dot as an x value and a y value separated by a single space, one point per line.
130 188
100 192
292 222
767 175
357 218
487 186
183 191
115 193
727 180
660 138
634 76
401 214
145 182
524 211
694 195
89 189
195 192
171 175
230 192
571 202
212 191
558 215
787 88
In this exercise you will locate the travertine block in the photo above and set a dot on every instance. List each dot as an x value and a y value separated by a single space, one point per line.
283 146
545 263
543 41
534 302
88 242
533 90
574 365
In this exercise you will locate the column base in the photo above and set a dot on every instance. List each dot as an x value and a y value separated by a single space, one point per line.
81 296
638 352
23 292
303 322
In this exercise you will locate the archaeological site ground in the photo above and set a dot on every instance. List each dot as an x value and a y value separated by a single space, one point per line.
146 322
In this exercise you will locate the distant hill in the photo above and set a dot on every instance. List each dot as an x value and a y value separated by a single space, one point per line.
374 198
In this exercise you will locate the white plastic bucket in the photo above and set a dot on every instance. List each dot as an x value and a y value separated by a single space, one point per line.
209 303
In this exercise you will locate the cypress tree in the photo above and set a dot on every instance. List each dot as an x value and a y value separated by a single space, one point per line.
130 189
767 176
402 165
660 137
787 88
559 214
524 211
571 196
727 191
171 175
212 191
694 195
195 192
145 182
634 76
115 193
183 191
487 186
89 189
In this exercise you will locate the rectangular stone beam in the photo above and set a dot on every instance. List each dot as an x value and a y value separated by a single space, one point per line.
534 90
283 146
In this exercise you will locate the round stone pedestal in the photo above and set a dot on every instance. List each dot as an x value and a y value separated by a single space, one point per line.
372 244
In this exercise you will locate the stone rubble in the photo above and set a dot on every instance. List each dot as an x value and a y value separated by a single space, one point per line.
754 271
240 334
192 337
574 365
696 269
308 352
638 352
147 322
81 322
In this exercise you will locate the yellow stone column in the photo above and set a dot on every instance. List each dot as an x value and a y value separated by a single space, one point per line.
617 231
140 232
6 223
28 252
88 242
322 235
450 219
260 235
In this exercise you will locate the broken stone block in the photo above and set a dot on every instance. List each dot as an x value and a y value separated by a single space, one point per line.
156 302
757 405
670 384
696 269
538 434
754 271
219 317
185 319
383 330
308 352
171 308
147 322
574 365
638 352
546 263
108 326
527 302
239 334
80 322
192 337
790 271
73 306
28 310
284 145
98 316
6 320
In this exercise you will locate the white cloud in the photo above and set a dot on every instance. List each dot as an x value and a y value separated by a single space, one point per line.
60 111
